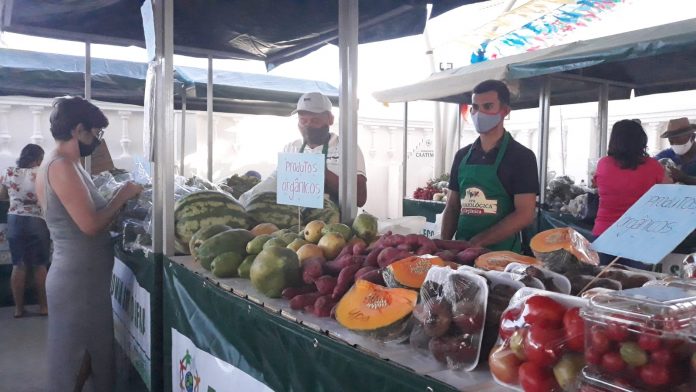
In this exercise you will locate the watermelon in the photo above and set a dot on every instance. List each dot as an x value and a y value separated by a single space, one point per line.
262 208
329 214
202 209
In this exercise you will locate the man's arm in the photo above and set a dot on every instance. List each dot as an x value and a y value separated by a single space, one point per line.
331 186
450 216
521 217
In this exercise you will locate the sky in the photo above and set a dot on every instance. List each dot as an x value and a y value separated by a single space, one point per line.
397 62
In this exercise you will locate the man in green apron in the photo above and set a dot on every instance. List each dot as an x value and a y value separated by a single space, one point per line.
494 181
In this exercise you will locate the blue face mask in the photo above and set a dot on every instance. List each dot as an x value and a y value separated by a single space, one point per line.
484 122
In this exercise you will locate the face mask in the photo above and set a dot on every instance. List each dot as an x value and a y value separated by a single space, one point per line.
484 122
681 149
88 149
316 135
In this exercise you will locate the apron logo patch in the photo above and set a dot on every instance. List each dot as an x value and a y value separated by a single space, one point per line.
474 202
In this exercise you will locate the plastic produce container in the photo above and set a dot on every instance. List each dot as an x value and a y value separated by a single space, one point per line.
643 339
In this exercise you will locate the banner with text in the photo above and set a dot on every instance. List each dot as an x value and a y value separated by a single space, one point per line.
195 370
300 179
653 226
131 310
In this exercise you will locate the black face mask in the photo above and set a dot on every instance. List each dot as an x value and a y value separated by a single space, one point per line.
88 149
315 136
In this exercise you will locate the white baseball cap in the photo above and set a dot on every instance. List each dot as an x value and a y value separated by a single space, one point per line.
313 102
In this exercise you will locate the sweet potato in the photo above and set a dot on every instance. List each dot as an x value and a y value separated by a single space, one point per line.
323 306
302 300
404 246
446 255
345 280
374 276
345 251
412 240
292 292
372 256
311 270
425 246
325 284
334 267
359 249
393 240
309 309
469 255
364 270
453 245
390 255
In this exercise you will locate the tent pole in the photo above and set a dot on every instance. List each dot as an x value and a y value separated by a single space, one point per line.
404 154
603 118
209 105
88 92
348 104
544 115
182 141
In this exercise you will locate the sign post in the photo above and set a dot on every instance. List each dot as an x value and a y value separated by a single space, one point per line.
653 226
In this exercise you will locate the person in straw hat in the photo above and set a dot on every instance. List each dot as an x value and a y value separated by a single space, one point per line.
682 150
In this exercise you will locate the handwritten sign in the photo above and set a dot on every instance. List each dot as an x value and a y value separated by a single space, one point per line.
300 179
653 226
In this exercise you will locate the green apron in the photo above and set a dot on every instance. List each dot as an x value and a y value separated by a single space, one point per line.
484 201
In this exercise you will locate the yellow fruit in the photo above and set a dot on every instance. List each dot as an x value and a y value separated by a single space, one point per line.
264 228
331 244
295 245
312 231
309 250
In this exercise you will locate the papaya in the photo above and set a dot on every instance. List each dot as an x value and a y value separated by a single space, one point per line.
234 240
365 227
255 246
226 265
273 270
203 234
377 311
245 267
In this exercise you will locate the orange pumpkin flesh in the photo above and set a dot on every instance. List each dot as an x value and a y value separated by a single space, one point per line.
411 271
368 307
497 261
563 239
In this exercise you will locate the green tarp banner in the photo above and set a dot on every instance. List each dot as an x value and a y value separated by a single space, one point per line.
278 352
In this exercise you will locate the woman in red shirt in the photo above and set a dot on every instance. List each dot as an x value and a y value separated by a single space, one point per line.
623 177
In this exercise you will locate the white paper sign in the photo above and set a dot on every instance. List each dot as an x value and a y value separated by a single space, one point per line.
194 370
131 310
300 179
653 226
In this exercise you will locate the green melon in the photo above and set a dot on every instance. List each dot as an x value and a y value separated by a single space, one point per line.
262 208
234 240
329 214
202 209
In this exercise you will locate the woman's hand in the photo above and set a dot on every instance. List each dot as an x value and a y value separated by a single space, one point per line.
676 174
130 190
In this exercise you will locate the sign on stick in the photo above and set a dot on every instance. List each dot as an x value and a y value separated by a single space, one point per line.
300 179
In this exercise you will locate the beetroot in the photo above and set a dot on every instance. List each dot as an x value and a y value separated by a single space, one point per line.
469 255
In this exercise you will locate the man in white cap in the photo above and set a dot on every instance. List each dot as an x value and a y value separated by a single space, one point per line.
682 150
314 118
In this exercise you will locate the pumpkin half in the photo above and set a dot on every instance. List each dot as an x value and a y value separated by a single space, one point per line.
497 261
376 310
410 272
562 243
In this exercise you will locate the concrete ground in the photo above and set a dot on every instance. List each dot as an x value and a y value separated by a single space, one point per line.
23 365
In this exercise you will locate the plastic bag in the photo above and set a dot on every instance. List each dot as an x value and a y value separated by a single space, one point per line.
551 281
541 342
449 318
404 225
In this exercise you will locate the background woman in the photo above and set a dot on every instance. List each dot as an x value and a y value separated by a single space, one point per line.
624 176
27 233
80 329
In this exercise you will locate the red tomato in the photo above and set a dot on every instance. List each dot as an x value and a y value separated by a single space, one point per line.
543 311
649 342
612 362
617 332
509 322
662 357
504 365
544 346
575 329
599 341
654 375
535 378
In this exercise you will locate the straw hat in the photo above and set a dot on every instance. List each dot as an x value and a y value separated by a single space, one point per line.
678 127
